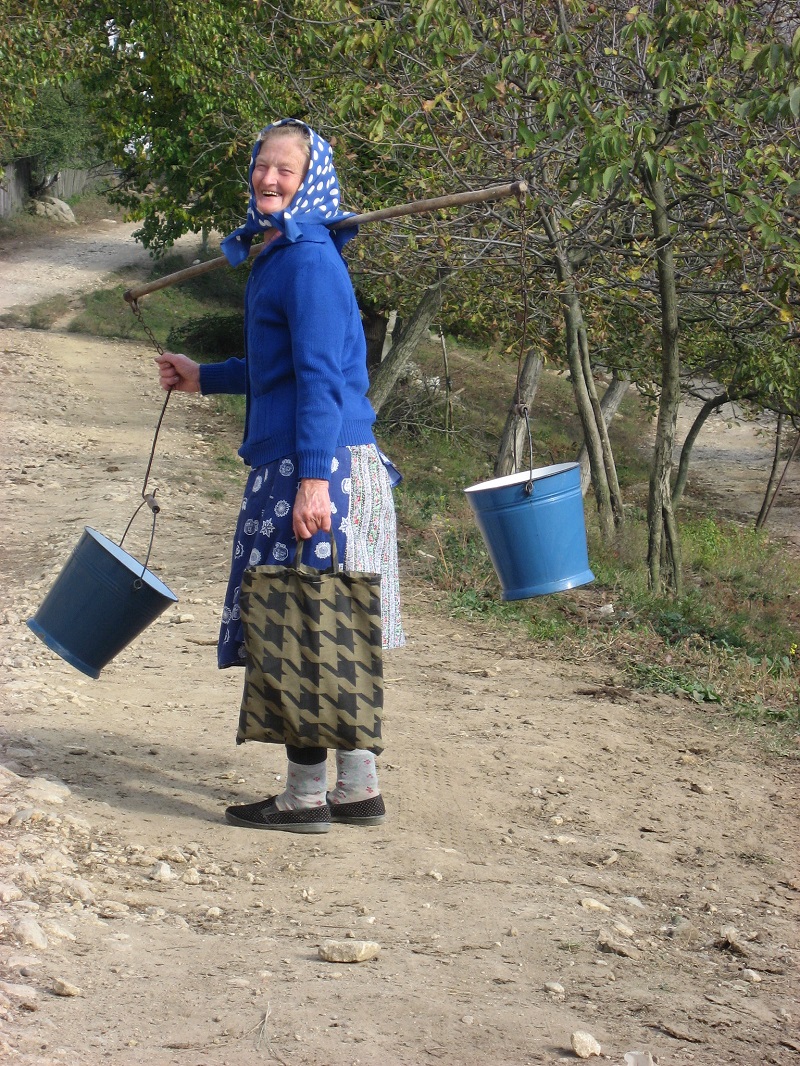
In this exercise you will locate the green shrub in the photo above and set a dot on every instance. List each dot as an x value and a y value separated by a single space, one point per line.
212 337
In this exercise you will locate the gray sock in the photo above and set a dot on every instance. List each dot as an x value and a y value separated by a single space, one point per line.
305 787
356 777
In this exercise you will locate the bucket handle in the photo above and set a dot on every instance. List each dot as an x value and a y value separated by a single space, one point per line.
521 411
150 500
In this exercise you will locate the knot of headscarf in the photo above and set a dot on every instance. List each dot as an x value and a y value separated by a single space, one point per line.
316 202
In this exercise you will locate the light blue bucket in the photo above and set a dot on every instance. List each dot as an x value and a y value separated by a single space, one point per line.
100 601
534 529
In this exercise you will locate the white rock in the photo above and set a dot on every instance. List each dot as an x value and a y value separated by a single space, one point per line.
41 789
52 207
590 904
8 893
22 994
57 860
112 908
64 988
702 789
623 929
584 1045
78 888
349 950
682 929
730 940
606 942
752 976
634 901
191 877
31 933
57 930
25 814
174 854
162 871
8 777
638 1058
554 988
28 875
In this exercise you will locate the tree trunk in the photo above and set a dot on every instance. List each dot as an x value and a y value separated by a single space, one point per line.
773 475
607 455
595 434
688 444
663 545
773 498
375 325
609 405
514 447
399 355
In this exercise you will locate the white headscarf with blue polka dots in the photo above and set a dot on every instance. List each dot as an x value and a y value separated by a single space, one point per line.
316 202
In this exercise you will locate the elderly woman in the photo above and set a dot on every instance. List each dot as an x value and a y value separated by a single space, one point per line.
308 439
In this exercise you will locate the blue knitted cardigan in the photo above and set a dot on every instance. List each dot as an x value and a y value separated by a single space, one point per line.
304 374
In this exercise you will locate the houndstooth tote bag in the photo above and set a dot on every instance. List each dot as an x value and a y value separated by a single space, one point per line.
314 666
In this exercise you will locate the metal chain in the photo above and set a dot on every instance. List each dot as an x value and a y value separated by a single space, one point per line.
140 318
148 498
523 281
521 408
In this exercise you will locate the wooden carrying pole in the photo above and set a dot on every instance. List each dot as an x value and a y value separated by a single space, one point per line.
493 192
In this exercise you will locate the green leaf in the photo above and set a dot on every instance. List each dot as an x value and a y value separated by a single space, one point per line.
527 137
609 176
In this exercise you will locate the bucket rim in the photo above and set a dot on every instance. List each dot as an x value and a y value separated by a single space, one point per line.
522 476
132 564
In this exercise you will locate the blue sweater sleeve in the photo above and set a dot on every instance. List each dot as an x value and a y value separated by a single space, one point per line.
319 304
229 377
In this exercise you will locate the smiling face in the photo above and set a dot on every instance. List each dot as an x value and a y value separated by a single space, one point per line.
279 170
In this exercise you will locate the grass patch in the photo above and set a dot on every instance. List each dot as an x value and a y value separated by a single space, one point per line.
178 316
42 315
93 206
24 225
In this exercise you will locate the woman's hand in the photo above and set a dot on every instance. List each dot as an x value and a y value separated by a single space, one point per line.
178 372
312 508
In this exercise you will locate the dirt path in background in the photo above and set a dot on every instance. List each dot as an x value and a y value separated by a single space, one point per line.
730 467
561 854
73 260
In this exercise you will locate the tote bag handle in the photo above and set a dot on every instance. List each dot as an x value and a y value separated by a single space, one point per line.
298 554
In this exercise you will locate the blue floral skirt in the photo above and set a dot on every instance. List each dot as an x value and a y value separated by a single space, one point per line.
362 520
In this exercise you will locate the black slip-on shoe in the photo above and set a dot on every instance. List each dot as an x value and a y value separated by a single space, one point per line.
370 811
265 815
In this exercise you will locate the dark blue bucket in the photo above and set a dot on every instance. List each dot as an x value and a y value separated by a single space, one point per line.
536 539
100 601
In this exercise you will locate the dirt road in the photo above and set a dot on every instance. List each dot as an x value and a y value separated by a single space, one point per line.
561 854
70 261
